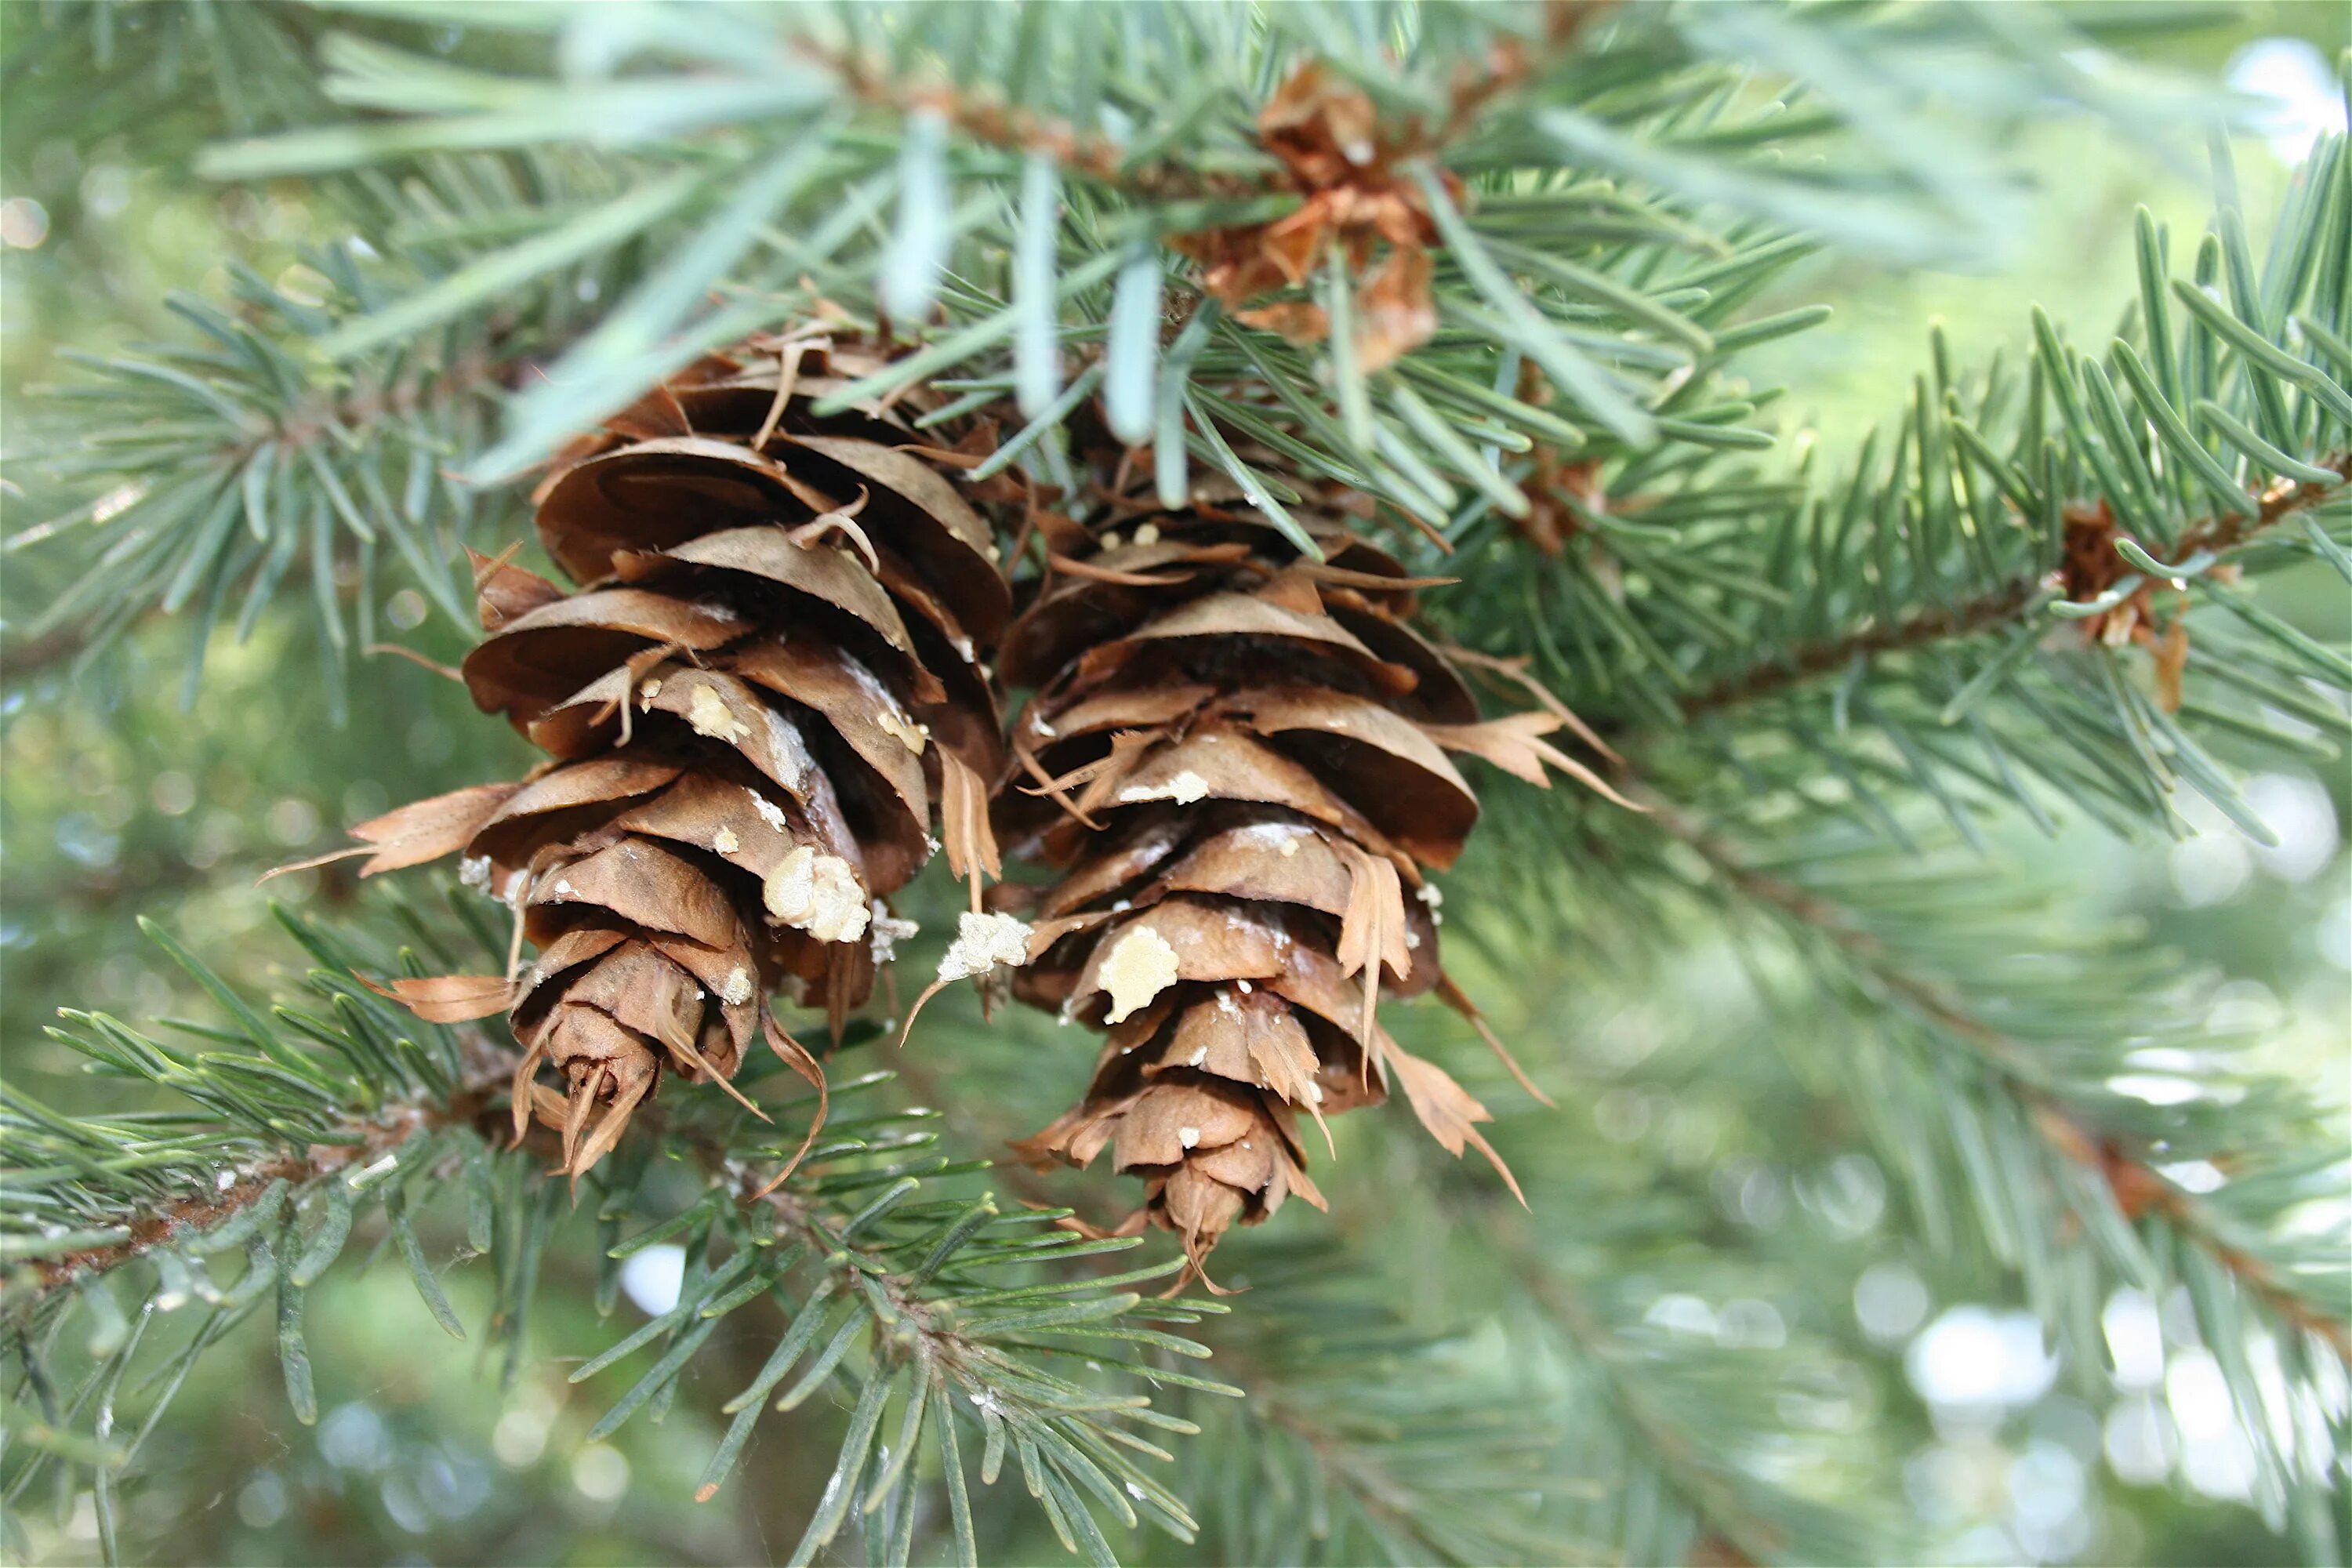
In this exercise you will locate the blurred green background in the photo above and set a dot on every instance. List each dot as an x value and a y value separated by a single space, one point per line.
120 799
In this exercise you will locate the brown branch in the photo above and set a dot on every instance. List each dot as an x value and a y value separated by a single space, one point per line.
2281 502
1011 128
1999 607
796 1218
379 1134
59 644
992 122
2128 1171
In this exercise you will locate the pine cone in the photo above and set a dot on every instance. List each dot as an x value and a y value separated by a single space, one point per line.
751 699
1236 759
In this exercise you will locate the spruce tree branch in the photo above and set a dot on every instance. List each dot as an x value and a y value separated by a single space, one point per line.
1477 92
916 1286
1415 1442
1998 608
1373 1488
2001 605
294 451
23 660
494 364
1013 128
914 1283
2130 1171
855 1263
988 121
794 1217
1679 1457
1166 124
467 1105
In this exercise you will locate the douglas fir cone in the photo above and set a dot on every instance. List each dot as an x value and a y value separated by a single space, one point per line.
1235 759
751 699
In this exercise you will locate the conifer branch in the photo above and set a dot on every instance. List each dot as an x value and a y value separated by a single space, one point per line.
277 471
1655 1413
1288 139
984 120
1421 1453
2062 1102
2007 603
353 1142
930 1305
2213 445
1359 1468
2122 1162
1679 1454
1478 276
1985 613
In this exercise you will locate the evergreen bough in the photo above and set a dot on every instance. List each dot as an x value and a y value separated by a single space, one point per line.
1490 269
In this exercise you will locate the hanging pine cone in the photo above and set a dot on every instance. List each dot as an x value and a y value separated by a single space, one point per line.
1237 760
769 665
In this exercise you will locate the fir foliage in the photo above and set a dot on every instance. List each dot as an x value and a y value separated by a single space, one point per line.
1535 239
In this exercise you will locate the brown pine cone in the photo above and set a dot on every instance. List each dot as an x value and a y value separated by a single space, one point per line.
771 662
1236 759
